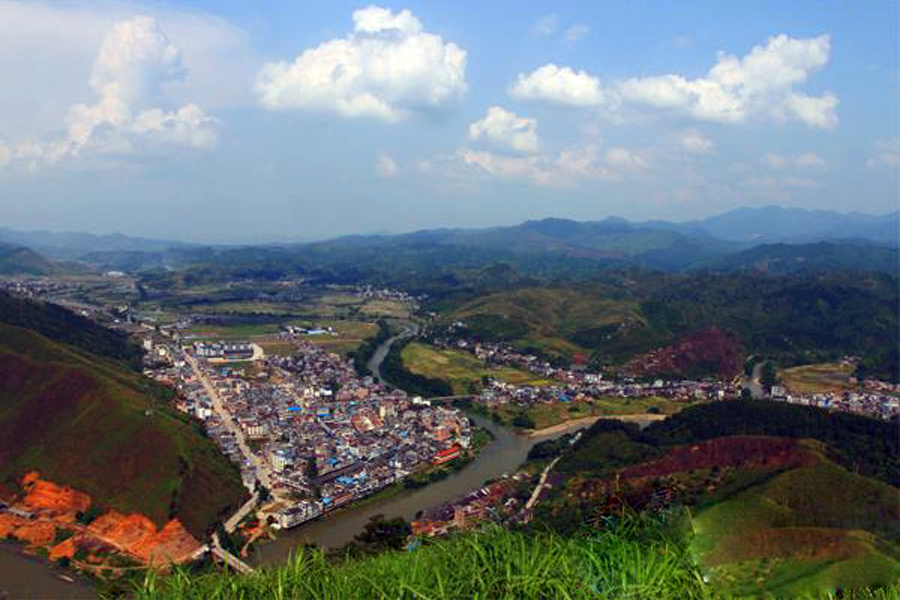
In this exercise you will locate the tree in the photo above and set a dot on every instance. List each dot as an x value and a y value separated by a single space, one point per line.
381 534
523 420
769 375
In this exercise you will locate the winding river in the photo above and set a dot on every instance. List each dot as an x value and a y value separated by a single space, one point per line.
503 455
506 452
22 576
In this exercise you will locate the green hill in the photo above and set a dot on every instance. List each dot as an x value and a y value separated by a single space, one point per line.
17 260
786 500
552 319
807 258
799 319
815 527
64 326
84 421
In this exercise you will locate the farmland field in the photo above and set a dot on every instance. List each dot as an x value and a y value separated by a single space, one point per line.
816 379
460 369
547 414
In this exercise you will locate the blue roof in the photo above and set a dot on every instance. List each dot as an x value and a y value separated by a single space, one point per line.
294 408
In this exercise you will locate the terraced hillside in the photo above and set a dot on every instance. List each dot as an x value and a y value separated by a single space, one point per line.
85 421
786 501
813 527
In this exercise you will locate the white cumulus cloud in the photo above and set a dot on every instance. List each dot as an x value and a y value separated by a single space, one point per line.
507 130
135 60
564 168
386 68
763 83
626 159
559 85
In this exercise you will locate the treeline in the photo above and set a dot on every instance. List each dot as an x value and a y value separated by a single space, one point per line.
395 372
860 444
363 354
64 326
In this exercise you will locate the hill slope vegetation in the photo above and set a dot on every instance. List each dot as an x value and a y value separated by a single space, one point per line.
84 421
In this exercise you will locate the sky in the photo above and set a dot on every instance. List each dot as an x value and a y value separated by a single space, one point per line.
288 121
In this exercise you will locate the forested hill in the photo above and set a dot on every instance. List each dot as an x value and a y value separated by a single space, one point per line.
62 325
86 422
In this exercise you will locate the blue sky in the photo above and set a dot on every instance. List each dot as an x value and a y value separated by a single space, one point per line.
254 121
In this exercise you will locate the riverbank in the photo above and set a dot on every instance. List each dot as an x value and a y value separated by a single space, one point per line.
501 456
27 576
566 427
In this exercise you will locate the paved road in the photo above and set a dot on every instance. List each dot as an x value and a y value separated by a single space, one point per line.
259 467
229 559
757 391
540 486
242 512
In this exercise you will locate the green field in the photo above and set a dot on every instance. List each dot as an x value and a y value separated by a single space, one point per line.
817 379
808 530
547 414
385 308
233 332
349 334
460 369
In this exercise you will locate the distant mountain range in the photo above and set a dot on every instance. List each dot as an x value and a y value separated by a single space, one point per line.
77 245
774 239
776 224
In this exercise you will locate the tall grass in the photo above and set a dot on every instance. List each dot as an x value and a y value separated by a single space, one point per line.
634 559
494 563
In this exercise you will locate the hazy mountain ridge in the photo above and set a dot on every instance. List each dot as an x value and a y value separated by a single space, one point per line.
768 237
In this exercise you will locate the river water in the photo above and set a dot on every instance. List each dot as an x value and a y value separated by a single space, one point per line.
23 576
374 364
506 452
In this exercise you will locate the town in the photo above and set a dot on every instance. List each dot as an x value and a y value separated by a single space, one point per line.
307 427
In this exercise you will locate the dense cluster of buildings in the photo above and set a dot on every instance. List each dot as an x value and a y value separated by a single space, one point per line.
223 350
494 501
881 400
875 399
324 435
37 287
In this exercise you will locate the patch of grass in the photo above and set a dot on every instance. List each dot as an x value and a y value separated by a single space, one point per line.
493 563
805 531
385 308
547 414
817 379
463 371
233 332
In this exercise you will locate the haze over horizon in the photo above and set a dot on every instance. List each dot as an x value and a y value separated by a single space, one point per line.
279 121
